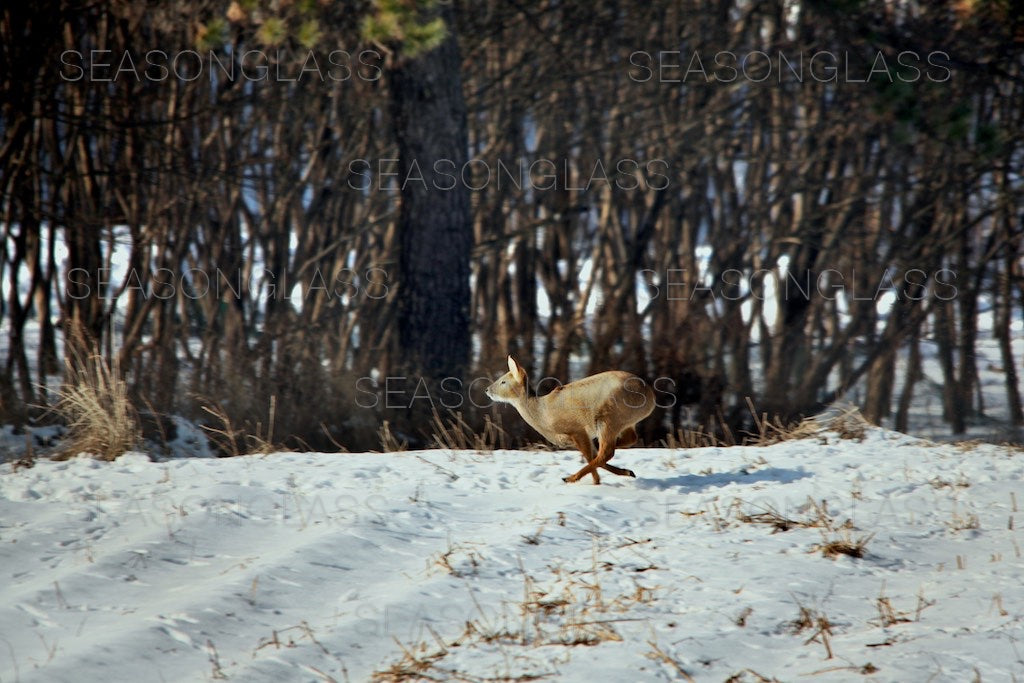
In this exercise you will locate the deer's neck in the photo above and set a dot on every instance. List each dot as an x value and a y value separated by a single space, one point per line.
532 411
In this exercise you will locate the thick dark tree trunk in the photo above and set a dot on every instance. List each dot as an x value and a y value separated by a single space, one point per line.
436 232
84 320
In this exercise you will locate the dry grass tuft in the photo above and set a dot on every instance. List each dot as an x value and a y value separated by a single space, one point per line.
389 443
818 624
419 662
458 560
573 609
816 515
233 441
771 430
843 542
961 482
27 460
844 421
769 516
837 538
455 434
702 436
659 655
94 404
966 521
967 445
741 618
887 614
693 438
226 438
423 660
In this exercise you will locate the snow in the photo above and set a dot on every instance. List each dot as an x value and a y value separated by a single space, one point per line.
485 565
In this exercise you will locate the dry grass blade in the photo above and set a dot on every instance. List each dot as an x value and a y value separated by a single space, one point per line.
227 437
741 677
95 405
389 443
334 442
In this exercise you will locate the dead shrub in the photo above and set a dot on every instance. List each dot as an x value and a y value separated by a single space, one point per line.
94 404
842 420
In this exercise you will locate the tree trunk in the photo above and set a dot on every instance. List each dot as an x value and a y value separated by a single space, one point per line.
878 402
952 410
912 375
435 227
1004 307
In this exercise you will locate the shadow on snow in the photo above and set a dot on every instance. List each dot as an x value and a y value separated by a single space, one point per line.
697 482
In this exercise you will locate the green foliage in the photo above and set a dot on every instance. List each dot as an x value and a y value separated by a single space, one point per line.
274 31
411 26
896 97
990 140
407 24
955 123
309 33
212 35
922 107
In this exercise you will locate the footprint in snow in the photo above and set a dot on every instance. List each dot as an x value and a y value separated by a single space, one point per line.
40 617
178 635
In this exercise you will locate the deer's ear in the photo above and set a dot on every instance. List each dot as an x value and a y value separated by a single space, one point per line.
516 369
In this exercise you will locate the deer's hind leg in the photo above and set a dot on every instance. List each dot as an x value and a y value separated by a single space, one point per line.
627 437
586 448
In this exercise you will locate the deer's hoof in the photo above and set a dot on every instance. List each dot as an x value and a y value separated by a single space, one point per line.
630 473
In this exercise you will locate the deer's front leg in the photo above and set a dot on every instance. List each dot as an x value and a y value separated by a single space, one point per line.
605 452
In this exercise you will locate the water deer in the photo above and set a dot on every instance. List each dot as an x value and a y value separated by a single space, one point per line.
605 406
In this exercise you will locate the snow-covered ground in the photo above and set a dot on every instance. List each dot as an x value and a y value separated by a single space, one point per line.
485 566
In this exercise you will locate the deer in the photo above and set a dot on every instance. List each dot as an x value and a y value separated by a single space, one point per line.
606 406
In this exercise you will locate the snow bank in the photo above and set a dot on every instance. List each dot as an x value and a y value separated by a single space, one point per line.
312 566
